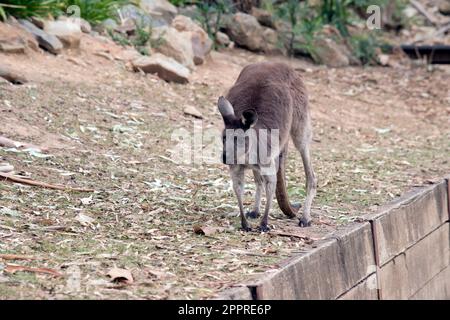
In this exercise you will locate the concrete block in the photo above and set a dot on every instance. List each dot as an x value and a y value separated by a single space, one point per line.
410 218
326 272
365 290
437 288
404 275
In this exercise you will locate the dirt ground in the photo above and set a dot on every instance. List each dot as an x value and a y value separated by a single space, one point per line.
377 133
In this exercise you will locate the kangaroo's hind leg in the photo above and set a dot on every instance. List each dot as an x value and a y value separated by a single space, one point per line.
237 177
302 136
259 188
270 182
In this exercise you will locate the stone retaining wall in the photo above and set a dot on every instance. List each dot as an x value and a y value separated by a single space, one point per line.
400 252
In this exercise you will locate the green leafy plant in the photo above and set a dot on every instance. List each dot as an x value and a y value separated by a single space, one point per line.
28 8
180 3
309 30
364 47
210 9
304 23
96 11
141 40
337 12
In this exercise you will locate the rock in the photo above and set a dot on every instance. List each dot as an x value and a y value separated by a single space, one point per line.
159 8
383 59
47 41
139 16
190 11
444 7
175 44
12 76
192 111
270 41
166 68
108 24
201 43
67 31
264 17
284 30
128 55
12 47
327 52
85 26
14 39
245 30
222 39
38 22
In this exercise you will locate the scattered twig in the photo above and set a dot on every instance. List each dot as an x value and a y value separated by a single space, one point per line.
419 7
14 268
9 143
442 30
287 234
438 33
248 253
42 184
16 257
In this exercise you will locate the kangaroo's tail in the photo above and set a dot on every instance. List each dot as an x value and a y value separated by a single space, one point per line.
281 192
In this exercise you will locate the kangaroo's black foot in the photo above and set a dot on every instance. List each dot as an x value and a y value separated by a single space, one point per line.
246 228
263 228
304 222
252 214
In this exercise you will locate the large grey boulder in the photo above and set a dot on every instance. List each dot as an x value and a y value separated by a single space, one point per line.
174 44
246 31
159 8
201 43
264 17
166 68
47 41
139 16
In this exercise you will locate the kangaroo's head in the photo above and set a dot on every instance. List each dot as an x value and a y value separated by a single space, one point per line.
236 136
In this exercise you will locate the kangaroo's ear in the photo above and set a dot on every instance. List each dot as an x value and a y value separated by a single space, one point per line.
225 108
249 118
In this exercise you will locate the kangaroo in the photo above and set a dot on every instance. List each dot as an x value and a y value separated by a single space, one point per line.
268 96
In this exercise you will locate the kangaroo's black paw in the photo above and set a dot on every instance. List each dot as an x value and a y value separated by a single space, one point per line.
263 228
246 228
252 214
304 222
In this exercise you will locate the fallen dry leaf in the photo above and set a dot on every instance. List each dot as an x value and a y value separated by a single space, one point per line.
14 268
120 275
206 230
85 220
